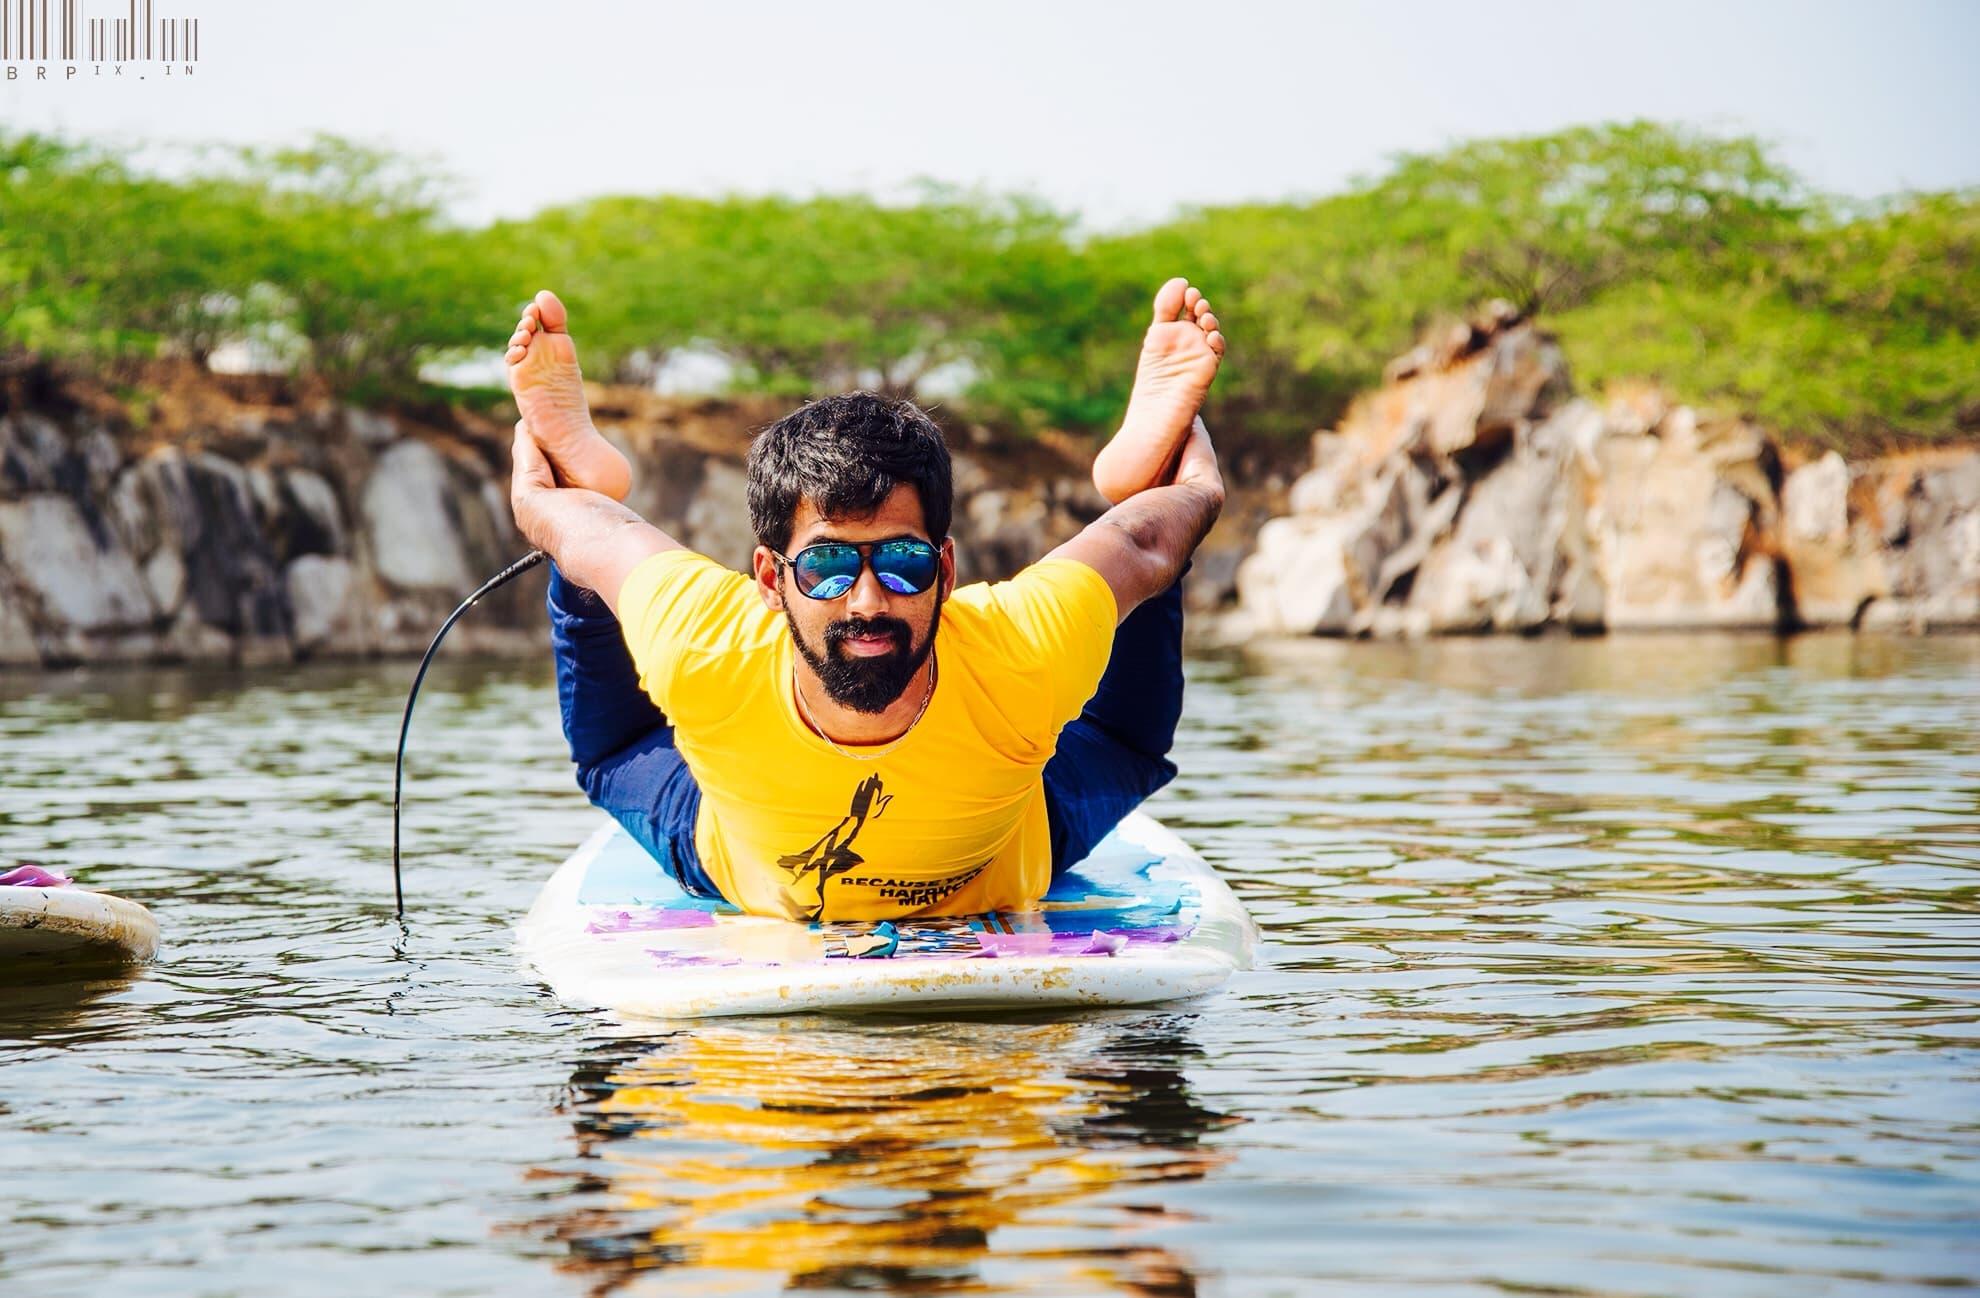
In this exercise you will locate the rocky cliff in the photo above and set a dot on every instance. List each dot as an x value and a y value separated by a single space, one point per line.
235 521
1474 491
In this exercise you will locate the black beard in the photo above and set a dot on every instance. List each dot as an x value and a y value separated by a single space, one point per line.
869 685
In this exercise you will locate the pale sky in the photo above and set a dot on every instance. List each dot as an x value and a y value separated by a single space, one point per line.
1120 111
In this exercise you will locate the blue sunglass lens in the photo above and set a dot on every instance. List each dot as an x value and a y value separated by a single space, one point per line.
904 567
829 571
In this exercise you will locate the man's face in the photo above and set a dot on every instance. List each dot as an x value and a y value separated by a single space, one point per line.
866 645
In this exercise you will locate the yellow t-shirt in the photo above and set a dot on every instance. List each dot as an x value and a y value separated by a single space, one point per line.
951 821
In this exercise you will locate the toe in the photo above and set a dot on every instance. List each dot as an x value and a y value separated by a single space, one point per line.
1202 305
529 323
1216 341
1169 300
1206 321
1191 296
552 311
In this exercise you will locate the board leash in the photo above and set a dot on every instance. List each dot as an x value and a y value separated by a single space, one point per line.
508 574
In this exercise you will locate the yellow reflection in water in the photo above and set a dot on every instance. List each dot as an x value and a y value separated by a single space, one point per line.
893 1157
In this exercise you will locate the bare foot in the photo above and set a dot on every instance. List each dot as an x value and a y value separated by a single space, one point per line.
543 373
1179 357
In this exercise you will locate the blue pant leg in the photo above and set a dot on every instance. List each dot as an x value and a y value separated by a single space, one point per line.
1115 754
649 790
627 763
598 691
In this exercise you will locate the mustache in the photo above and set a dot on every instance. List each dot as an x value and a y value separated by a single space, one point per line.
837 633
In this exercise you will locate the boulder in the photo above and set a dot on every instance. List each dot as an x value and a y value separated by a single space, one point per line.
165 576
997 525
1835 559
203 509
191 638
1369 547
18 645
1295 581
1312 572
32 451
1462 403
326 594
313 517
78 575
1929 509
1503 564
232 576
717 518
1677 524
413 520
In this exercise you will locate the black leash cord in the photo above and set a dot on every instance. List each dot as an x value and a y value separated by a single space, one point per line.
508 574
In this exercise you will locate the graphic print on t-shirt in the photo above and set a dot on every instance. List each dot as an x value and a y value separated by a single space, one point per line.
832 856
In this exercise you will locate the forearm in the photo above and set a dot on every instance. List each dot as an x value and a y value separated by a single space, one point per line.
1141 545
1164 525
595 541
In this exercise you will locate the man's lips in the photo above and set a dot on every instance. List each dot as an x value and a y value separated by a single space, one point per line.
868 646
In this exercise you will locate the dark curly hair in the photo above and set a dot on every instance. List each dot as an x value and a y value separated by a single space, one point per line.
846 454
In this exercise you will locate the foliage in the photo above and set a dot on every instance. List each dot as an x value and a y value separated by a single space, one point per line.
1694 259
334 249
366 271
798 295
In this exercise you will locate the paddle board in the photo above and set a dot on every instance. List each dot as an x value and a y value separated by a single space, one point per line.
1142 919
66 922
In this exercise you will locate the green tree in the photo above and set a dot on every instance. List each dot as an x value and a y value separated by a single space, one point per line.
368 272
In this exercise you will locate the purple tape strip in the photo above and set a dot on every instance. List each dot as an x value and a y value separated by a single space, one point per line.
1098 942
646 921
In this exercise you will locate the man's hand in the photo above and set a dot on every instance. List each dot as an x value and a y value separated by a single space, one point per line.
594 540
531 477
1197 465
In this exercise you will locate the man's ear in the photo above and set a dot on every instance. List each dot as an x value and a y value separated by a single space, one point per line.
763 563
948 566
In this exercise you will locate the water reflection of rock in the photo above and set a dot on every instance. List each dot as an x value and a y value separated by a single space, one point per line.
889 1157
1646 664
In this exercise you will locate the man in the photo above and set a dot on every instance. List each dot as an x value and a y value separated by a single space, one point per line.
844 734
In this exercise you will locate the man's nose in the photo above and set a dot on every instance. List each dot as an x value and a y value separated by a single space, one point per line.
867 598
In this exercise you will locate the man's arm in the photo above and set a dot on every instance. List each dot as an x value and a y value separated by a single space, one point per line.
595 541
1141 545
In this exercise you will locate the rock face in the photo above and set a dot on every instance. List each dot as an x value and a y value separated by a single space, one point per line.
1475 493
271 533
1926 513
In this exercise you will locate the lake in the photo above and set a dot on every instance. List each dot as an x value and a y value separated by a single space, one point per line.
1637 965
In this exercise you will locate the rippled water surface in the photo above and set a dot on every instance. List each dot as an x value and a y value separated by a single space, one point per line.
1629 966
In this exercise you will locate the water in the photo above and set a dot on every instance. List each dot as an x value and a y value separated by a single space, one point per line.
1631 966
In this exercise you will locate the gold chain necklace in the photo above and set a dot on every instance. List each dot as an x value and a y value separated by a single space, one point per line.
934 668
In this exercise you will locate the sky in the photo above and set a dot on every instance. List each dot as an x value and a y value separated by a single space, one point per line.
1122 112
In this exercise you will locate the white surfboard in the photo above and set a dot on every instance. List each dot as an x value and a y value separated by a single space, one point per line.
74 922
1143 919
